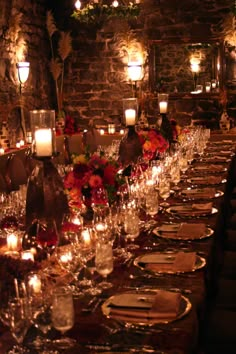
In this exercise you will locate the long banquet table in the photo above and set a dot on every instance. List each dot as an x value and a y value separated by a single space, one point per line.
94 333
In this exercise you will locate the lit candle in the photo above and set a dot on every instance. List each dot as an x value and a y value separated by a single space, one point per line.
122 132
102 132
77 221
22 143
1 151
12 242
111 128
130 115
27 255
29 137
18 145
163 106
213 83
66 257
86 236
35 284
43 142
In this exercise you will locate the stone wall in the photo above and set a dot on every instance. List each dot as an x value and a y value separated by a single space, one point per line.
95 72
23 38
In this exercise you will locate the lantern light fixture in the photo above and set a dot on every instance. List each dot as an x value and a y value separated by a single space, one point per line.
23 71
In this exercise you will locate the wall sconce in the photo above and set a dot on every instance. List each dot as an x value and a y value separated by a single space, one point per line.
23 74
23 71
135 73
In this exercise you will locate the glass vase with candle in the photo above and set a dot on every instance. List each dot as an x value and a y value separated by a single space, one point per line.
45 192
130 147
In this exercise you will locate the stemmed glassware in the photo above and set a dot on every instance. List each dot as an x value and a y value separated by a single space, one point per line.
104 261
19 322
151 202
69 258
164 188
63 316
47 235
131 226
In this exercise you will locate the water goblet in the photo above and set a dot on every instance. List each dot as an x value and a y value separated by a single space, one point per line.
63 316
151 202
69 258
104 261
164 189
131 227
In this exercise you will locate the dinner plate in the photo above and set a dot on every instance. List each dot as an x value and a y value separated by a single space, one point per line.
170 232
184 210
206 180
197 193
165 258
119 301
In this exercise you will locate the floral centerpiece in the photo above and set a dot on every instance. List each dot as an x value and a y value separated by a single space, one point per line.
90 173
153 143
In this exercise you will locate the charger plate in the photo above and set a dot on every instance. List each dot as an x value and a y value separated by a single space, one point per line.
171 233
196 192
184 308
167 257
205 180
185 211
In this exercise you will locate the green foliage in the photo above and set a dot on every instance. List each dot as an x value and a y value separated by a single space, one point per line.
96 13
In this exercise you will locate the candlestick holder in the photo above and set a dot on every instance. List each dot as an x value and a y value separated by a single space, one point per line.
45 193
166 128
130 147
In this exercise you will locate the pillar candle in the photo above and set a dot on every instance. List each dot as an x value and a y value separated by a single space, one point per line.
43 142
12 242
130 115
163 107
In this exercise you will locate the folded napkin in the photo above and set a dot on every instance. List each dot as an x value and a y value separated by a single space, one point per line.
212 168
191 230
205 207
207 180
203 193
182 262
162 305
194 209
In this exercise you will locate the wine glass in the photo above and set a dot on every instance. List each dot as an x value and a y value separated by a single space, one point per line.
104 261
164 188
47 236
63 316
69 258
99 199
19 322
72 223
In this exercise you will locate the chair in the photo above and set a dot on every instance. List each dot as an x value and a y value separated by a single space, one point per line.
16 173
